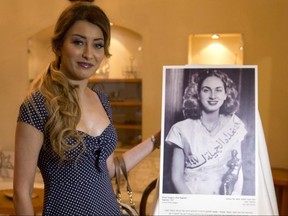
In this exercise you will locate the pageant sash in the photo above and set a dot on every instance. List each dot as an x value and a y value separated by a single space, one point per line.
232 133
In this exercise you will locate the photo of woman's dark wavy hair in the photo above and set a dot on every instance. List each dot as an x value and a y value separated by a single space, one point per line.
192 106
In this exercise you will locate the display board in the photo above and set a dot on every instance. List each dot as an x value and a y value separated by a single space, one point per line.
210 157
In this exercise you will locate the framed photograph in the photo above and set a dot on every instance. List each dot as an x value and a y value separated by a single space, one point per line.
208 162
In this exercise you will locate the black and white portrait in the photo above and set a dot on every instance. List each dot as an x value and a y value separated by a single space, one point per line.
209 131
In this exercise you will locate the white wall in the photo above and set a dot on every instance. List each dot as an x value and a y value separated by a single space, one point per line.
227 49
165 26
18 21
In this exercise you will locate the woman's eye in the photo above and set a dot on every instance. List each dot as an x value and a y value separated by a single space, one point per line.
219 90
98 45
78 42
205 90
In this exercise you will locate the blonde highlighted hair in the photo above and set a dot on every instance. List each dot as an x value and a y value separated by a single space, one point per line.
61 96
63 108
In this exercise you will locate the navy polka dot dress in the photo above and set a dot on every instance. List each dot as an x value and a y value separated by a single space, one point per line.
80 186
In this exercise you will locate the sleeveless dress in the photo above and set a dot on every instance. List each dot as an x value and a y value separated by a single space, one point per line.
80 186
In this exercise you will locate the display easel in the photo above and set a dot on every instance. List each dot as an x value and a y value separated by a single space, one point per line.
267 202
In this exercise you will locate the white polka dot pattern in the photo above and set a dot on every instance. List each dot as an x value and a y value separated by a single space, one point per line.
80 186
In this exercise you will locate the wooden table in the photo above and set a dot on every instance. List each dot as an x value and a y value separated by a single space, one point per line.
6 202
280 178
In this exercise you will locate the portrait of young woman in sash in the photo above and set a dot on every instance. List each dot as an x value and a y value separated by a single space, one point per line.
206 144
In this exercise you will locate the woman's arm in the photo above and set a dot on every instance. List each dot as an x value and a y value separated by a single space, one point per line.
111 166
28 142
177 171
135 155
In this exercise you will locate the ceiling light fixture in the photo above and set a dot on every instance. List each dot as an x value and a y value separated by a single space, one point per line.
215 36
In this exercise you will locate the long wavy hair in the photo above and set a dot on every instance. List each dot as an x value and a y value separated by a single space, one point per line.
192 107
62 100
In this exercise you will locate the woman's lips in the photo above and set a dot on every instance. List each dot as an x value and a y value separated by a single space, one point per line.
85 65
212 102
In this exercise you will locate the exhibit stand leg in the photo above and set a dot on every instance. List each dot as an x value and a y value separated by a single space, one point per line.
267 202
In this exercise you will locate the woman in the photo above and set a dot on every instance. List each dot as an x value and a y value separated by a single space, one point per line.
66 129
208 138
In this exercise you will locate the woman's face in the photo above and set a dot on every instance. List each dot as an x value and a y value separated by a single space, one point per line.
82 51
212 94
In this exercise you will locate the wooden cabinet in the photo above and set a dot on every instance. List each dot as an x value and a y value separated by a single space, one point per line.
125 97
